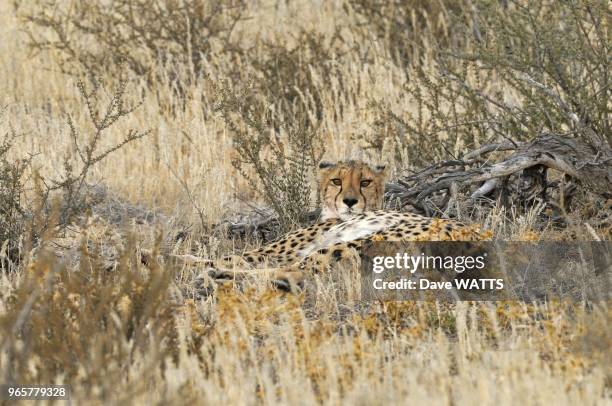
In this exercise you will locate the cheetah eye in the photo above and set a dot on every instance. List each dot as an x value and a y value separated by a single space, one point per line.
365 183
337 182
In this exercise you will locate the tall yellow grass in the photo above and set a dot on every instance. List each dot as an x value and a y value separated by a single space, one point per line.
257 346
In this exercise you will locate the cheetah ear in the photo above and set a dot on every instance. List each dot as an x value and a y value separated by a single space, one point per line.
326 164
380 168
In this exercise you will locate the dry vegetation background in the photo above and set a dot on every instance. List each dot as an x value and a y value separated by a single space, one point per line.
134 125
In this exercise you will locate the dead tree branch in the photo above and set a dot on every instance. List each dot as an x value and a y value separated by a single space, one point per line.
592 169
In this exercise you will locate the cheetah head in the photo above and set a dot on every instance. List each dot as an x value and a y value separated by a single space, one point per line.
350 187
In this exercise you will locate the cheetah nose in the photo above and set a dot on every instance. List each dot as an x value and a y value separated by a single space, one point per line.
350 202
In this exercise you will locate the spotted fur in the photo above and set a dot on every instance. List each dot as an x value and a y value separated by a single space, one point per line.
342 230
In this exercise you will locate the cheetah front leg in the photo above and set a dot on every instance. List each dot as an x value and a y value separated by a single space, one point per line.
292 277
324 259
289 278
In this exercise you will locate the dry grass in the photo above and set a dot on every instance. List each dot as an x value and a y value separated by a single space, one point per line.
142 336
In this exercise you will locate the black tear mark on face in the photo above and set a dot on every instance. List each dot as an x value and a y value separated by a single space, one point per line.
336 198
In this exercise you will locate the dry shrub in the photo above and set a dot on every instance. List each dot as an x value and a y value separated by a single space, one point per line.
175 43
85 326
282 159
70 186
291 73
105 106
476 71
518 70
407 29
97 37
12 213
276 123
128 336
90 149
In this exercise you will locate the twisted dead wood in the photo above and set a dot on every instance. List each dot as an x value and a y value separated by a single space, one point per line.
591 169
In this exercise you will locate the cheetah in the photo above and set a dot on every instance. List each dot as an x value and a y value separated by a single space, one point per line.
352 193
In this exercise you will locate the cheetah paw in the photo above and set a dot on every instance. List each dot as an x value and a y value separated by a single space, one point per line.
219 274
291 282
